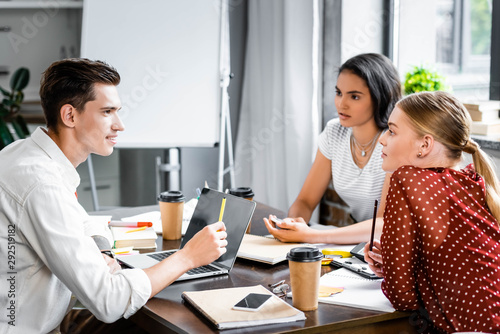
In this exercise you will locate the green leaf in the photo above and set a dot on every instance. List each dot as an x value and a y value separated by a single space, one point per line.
14 108
24 126
18 127
18 97
4 92
7 102
5 135
20 79
3 111
421 79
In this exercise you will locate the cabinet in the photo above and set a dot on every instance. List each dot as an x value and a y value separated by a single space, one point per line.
107 179
34 34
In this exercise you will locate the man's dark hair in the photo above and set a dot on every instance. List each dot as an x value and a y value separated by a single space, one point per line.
382 80
71 81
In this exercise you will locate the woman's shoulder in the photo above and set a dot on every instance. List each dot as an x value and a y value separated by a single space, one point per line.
406 175
333 122
407 171
411 178
334 140
335 129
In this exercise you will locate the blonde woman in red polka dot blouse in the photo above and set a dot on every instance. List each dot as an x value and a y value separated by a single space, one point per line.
439 252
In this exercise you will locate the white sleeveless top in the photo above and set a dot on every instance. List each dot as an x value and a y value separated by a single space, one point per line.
358 188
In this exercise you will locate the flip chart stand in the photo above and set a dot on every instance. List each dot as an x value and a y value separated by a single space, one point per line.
172 167
225 119
93 188
225 130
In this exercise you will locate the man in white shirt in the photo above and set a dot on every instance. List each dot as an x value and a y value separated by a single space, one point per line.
46 254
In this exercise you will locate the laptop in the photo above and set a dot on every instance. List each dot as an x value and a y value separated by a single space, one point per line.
237 215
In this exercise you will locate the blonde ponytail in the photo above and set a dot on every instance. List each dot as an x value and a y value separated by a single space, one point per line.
484 167
446 118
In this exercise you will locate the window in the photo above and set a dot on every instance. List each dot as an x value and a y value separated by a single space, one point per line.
454 37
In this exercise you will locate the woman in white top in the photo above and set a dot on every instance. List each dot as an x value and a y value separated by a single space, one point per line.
367 89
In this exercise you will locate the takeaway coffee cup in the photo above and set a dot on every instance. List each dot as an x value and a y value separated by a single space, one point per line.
171 208
246 193
305 271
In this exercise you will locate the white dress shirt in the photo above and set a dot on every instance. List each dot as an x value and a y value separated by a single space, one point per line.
45 253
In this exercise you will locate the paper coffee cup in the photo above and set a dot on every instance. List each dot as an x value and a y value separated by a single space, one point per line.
305 271
171 209
246 193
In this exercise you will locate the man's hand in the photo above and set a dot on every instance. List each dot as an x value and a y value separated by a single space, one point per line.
207 245
374 258
112 264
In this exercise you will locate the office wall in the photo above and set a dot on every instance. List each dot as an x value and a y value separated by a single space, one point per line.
416 48
348 31
362 30
38 36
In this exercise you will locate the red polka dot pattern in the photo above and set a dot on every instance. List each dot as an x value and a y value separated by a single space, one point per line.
441 248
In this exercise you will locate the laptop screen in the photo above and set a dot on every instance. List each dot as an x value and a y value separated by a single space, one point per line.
237 214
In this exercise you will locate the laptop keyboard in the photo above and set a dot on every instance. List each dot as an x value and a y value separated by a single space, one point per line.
160 256
195 271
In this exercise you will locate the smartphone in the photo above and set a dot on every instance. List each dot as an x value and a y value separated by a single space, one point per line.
359 251
359 267
277 220
252 302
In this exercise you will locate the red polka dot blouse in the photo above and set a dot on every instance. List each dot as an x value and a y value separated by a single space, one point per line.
441 249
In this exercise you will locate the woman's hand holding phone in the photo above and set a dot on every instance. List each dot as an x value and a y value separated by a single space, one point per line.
288 229
275 220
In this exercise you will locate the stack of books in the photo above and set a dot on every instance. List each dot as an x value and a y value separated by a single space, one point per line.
143 239
485 116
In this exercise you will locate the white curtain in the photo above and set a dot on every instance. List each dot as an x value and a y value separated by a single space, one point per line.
279 120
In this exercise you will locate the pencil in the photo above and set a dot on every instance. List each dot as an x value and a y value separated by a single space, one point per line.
373 223
222 207
137 229
130 224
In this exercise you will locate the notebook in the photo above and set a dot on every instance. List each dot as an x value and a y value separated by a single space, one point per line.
264 249
358 291
237 215
216 305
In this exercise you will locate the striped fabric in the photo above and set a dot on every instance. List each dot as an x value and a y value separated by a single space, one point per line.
357 187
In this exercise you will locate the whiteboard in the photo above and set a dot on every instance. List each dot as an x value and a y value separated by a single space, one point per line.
167 53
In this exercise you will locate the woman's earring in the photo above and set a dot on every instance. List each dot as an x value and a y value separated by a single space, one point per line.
419 154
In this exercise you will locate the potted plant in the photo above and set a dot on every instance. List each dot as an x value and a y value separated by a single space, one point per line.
9 108
421 79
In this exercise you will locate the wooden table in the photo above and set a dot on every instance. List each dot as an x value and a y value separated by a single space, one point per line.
167 313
